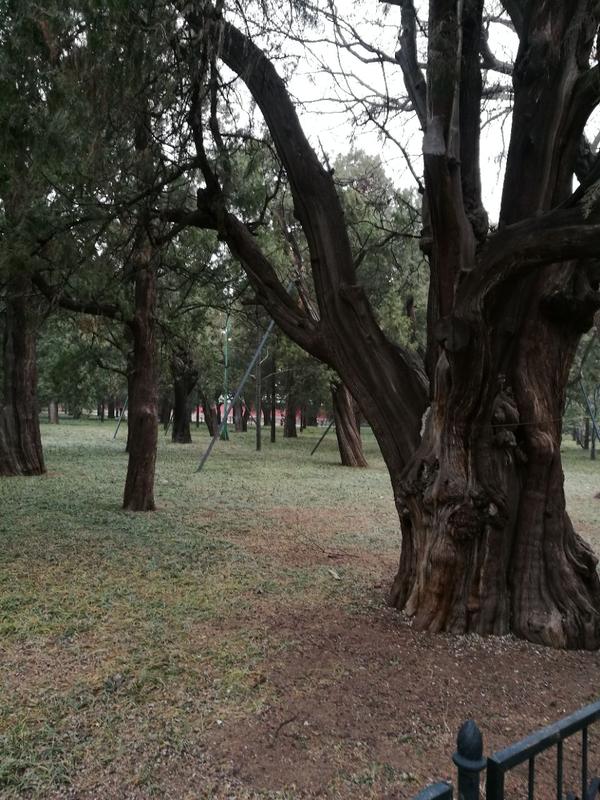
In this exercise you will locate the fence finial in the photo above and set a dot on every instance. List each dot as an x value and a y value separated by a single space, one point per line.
469 760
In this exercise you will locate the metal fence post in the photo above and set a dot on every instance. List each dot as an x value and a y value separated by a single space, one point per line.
469 760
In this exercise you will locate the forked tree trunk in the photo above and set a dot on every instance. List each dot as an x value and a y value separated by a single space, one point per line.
20 440
143 395
185 376
347 427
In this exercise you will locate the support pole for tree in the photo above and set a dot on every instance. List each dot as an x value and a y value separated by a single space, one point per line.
227 405
123 410
316 447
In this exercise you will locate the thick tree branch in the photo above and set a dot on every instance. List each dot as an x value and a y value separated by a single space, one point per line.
565 234
489 60
344 309
414 80
269 289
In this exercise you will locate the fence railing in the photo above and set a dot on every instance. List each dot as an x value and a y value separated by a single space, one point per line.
470 761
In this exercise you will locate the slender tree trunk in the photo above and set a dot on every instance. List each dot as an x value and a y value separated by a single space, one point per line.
289 427
143 398
586 434
289 421
181 431
111 408
185 376
237 416
273 402
347 427
165 406
20 440
210 415
266 412
245 418
53 412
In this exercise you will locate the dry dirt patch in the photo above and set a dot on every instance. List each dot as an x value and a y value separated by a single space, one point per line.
363 700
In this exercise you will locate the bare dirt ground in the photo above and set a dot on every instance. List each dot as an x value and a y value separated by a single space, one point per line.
360 705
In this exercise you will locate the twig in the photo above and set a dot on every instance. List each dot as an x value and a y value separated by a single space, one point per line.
280 726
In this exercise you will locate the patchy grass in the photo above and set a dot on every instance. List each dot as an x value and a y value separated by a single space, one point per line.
142 654
582 484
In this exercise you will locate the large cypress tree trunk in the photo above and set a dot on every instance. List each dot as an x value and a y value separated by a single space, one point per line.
487 543
347 427
484 499
185 376
20 440
143 393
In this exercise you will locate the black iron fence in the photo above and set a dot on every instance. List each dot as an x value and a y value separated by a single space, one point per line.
470 761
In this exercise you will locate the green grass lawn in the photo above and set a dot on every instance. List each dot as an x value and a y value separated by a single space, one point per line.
126 639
